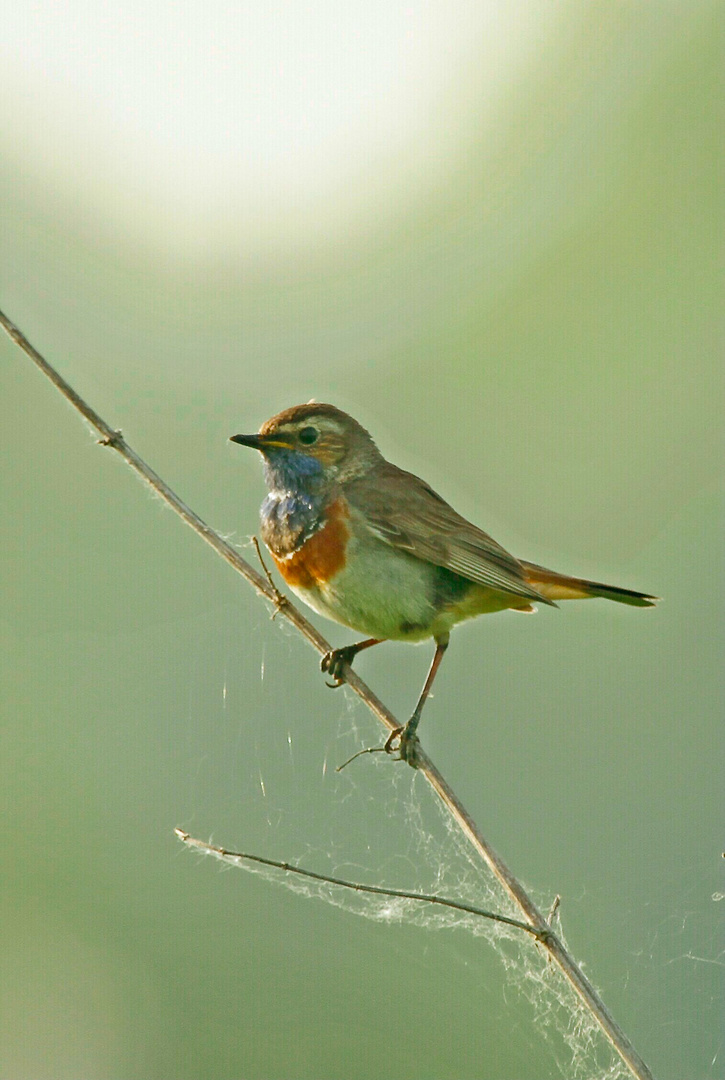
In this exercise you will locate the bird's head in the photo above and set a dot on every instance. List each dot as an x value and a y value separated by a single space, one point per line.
313 444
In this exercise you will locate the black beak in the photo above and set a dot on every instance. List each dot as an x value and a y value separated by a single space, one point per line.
247 440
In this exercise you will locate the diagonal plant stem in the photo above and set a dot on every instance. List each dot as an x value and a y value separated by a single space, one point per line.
538 924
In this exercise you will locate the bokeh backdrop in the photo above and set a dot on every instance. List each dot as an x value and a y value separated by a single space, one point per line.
490 232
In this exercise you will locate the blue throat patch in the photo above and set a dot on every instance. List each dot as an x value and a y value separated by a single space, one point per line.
293 510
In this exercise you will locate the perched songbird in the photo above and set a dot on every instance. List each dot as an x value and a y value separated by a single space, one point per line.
373 547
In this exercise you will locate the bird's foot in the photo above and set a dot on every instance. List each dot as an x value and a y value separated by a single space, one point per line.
335 662
403 743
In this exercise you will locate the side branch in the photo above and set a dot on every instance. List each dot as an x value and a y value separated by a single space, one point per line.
536 923
356 886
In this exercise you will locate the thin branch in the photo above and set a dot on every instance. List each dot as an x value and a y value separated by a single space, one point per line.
356 886
550 941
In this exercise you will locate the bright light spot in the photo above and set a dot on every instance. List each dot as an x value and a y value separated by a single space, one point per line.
275 117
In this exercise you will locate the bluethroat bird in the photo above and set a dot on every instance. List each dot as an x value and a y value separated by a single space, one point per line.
376 549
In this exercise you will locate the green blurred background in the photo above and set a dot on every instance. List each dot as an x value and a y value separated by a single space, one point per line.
490 232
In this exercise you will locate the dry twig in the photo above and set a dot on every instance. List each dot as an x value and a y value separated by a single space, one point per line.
356 886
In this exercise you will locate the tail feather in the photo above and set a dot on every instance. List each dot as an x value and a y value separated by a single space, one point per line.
561 587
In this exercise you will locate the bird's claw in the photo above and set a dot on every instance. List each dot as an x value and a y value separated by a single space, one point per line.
335 662
403 743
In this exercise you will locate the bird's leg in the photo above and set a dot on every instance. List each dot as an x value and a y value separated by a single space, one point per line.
403 740
335 662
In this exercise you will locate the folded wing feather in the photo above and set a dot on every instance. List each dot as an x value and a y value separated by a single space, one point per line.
420 522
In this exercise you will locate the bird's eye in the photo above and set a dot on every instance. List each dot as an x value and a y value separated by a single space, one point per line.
308 435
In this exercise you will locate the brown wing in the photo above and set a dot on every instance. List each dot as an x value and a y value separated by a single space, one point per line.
402 510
